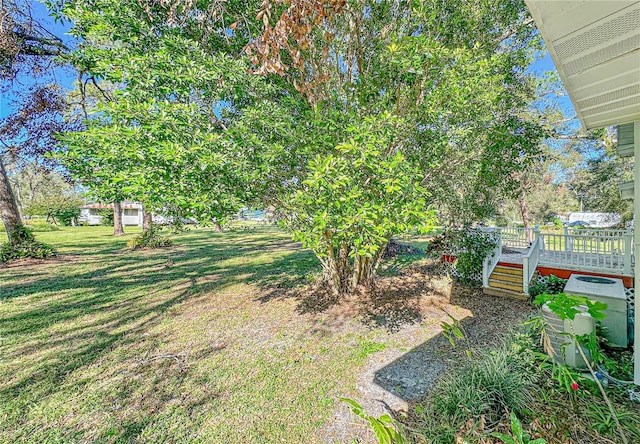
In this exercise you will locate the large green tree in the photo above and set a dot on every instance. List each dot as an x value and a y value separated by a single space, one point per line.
449 80
178 84
359 117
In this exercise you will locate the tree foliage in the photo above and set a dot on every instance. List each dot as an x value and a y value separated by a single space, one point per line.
158 136
365 116
353 199
61 208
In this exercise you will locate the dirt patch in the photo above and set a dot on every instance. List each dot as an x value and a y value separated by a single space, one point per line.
410 310
395 249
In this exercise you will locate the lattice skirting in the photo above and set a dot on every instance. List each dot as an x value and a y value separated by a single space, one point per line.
451 270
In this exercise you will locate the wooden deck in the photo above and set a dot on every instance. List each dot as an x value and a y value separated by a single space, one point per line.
564 263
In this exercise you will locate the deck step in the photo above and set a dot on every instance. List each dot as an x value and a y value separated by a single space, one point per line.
506 277
507 270
505 285
505 293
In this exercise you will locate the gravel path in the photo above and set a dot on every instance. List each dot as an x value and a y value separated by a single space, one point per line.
410 309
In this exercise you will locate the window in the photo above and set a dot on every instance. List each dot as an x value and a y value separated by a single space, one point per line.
130 211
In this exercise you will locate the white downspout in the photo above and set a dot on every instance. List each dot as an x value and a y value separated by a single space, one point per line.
636 228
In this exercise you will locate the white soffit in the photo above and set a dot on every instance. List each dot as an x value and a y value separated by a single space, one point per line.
595 46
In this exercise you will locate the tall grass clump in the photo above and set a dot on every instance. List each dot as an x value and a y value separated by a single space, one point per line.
476 395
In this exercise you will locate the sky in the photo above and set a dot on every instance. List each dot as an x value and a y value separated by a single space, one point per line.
61 76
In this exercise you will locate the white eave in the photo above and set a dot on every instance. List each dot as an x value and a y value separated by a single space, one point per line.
595 46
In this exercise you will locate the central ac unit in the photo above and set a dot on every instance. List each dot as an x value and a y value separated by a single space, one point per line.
561 333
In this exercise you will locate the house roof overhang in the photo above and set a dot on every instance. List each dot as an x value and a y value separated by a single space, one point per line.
595 46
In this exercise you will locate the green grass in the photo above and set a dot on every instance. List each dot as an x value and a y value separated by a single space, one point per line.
201 342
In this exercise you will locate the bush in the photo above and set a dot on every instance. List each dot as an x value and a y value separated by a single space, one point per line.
24 245
485 387
38 226
470 246
476 396
149 239
107 217
551 285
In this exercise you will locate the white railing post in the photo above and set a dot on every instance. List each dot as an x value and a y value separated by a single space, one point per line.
525 274
628 241
490 262
485 272
568 240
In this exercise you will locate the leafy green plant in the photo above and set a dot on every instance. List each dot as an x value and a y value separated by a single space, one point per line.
386 429
470 247
107 216
455 332
353 199
602 421
485 386
519 436
150 238
24 245
619 364
566 306
551 285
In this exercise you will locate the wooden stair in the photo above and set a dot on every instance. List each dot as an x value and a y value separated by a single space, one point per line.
507 282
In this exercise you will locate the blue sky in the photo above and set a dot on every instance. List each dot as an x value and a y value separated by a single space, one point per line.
61 76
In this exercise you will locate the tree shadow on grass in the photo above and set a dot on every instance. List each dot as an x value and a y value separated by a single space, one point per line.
112 301
393 302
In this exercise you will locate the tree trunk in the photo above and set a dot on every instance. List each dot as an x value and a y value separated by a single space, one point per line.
524 212
8 206
343 278
146 220
217 227
118 230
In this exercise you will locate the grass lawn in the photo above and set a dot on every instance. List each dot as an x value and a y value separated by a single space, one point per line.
186 344
207 341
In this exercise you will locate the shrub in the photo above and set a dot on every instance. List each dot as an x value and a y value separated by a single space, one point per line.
38 226
149 239
485 387
470 246
551 285
472 398
107 216
24 245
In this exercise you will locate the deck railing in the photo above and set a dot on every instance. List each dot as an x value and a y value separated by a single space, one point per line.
530 262
595 250
589 251
516 237
492 259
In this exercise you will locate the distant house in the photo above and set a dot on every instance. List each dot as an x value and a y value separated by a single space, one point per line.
596 220
131 213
